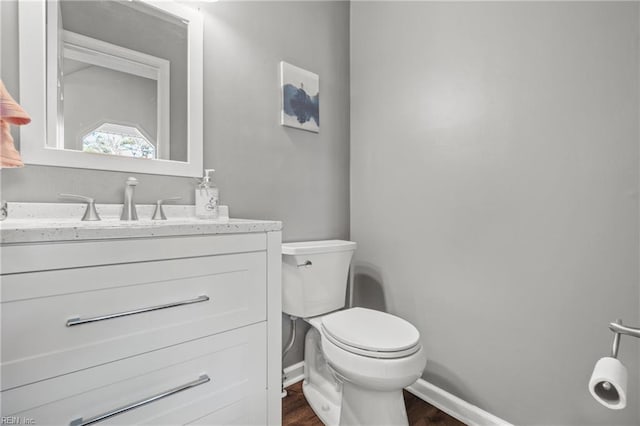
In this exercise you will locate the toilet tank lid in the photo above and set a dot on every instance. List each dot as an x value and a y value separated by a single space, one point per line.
313 247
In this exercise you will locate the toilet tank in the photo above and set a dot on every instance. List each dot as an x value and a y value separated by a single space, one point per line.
314 276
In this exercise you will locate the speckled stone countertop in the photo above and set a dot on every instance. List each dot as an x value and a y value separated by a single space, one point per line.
50 222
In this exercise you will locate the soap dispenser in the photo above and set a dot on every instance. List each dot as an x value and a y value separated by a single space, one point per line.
207 197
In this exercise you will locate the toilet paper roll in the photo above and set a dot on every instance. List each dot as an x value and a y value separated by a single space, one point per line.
608 383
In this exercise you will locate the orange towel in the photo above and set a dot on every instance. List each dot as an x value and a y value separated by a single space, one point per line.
10 113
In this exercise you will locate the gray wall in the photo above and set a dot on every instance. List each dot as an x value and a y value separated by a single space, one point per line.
494 194
263 170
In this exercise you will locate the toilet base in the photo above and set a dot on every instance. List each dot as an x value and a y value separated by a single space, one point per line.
320 387
327 411
369 407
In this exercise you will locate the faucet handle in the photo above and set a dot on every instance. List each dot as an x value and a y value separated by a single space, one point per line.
90 213
158 213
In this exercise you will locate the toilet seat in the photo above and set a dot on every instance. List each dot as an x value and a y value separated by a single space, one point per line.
371 333
371 354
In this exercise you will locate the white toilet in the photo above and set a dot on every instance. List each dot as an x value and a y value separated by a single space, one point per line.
357 361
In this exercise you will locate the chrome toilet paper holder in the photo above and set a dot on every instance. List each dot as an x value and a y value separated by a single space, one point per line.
618 329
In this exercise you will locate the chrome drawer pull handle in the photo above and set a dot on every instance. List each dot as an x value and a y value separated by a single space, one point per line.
95 419
77 321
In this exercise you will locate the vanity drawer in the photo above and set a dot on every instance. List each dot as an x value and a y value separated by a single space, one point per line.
249 411
37 343
233 362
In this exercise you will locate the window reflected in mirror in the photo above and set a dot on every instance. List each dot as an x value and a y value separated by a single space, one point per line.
115 139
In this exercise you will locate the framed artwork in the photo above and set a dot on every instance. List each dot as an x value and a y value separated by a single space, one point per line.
300 98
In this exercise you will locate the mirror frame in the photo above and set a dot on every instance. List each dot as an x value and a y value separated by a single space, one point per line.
38 145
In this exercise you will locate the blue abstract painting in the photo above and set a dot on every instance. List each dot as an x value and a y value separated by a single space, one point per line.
300 98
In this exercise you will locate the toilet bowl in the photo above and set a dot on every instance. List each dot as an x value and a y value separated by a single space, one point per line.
357 360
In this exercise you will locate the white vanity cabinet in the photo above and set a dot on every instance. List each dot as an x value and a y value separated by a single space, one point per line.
164 330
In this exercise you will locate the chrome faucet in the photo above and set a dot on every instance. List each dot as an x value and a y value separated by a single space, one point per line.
129 207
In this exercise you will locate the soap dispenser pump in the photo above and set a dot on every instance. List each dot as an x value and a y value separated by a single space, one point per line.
207 197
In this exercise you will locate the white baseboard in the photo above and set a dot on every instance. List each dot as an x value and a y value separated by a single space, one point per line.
452 405
293 374
460 409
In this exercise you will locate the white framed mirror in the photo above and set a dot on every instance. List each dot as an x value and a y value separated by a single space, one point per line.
112 85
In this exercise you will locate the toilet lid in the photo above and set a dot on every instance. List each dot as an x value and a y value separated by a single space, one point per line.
371 331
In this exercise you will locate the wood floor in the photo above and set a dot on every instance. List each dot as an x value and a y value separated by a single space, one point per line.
296 411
